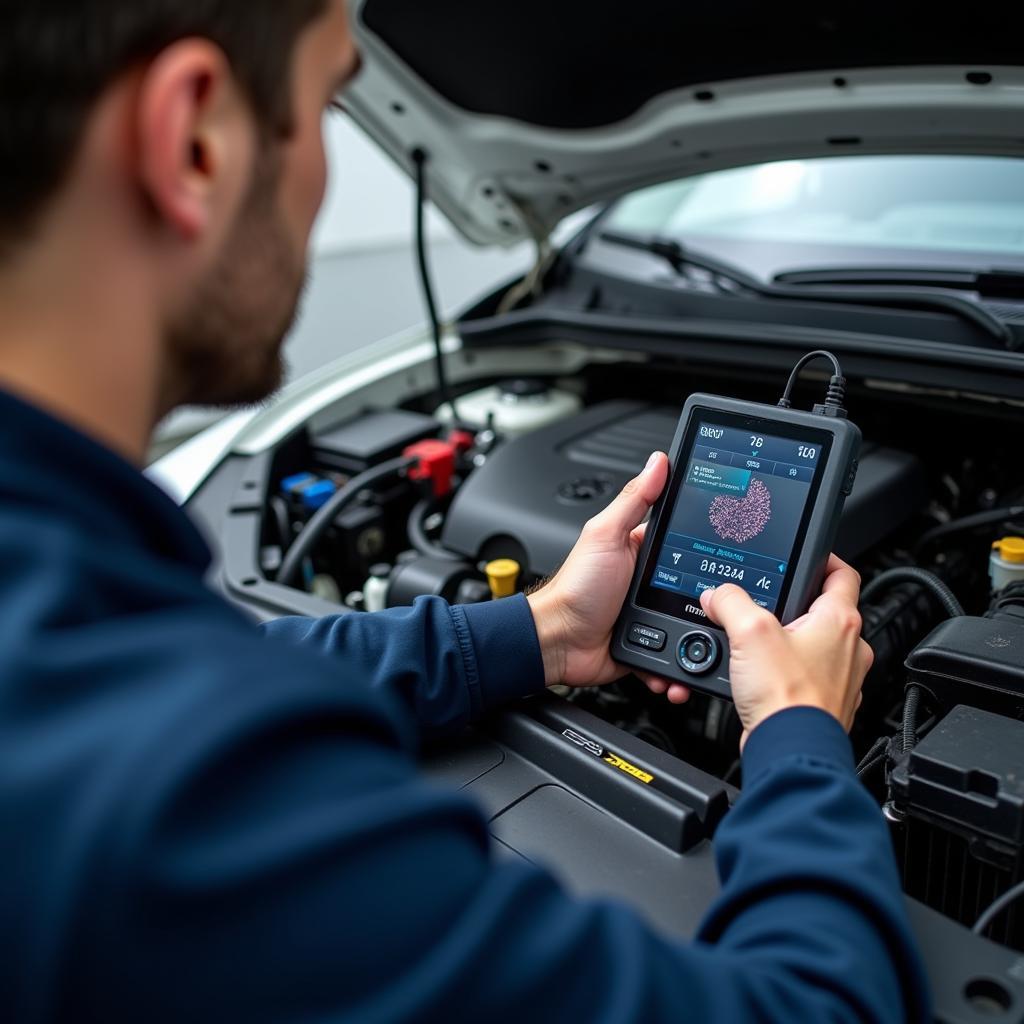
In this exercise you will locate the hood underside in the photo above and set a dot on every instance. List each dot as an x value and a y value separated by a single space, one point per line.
533 110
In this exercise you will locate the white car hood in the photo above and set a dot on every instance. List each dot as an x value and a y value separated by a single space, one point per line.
533 110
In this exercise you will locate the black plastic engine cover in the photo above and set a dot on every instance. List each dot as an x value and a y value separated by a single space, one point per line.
969 771
533 496
974 661
550 801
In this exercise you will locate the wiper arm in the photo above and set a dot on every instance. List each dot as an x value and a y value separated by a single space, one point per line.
679 257
994 283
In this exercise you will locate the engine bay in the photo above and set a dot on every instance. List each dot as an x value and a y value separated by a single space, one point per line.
479 509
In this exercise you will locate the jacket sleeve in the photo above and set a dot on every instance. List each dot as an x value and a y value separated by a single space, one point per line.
284 862
447 664
811 903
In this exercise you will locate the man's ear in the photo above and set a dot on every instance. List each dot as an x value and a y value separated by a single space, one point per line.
196 138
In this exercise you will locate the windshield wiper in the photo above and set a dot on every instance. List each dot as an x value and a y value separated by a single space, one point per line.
679 257
993 284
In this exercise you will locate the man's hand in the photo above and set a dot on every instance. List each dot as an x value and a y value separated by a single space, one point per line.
576 610
819 660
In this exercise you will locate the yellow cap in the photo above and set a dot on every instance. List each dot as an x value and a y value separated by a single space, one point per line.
1011 549
503 575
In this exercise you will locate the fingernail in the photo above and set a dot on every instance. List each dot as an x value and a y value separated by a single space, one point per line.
651 461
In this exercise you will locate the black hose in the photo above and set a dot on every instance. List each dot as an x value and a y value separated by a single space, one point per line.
992 517
304 544
997 907
283 522
911 574
910 705
895 625
418 535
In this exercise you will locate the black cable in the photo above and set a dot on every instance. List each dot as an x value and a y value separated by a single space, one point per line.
836 387
283 521
921 577
418 535
863 770
873 756
997 907
971 522
444 394
304 544
909 728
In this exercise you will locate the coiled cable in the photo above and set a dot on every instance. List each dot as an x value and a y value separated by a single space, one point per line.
418 534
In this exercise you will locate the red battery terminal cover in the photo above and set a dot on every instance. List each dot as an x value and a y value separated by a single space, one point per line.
436 464
463 440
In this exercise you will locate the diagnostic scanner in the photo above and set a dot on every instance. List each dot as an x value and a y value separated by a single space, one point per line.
754 498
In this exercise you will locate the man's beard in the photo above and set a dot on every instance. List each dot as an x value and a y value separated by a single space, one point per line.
225 349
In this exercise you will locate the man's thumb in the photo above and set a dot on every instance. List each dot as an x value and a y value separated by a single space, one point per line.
732 608
634 501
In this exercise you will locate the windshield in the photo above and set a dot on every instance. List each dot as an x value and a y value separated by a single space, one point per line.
843 211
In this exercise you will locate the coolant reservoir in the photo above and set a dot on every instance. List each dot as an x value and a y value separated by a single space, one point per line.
375 592
1006 563
517 406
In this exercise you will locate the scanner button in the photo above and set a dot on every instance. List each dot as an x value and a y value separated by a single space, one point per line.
851 478
698 652
647 636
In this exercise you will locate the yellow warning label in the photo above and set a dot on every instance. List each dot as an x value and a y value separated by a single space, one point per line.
629 769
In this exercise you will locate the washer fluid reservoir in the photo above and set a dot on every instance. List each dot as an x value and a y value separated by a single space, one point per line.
1006 563
514 407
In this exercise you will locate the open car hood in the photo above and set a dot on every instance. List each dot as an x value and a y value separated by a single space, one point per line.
529 111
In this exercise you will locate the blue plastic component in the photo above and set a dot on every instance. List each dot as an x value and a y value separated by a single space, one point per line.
295 485
313 491
317 495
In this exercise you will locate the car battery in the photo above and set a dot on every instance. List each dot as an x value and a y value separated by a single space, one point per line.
961 793
371 439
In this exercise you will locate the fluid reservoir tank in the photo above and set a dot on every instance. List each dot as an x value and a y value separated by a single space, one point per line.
517 406
1006 563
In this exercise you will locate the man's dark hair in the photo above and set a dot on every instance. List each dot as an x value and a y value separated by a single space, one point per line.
58 56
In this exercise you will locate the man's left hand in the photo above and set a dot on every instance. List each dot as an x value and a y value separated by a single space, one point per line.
576 610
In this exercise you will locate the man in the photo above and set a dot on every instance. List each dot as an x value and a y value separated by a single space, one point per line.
207 823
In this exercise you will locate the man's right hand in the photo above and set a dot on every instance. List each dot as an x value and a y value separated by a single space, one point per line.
817 661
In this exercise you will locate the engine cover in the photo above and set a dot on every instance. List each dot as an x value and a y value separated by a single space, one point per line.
535 493
973 661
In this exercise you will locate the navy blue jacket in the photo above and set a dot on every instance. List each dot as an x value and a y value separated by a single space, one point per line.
203 823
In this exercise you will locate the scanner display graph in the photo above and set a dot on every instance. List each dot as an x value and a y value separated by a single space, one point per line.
736 514
742 519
